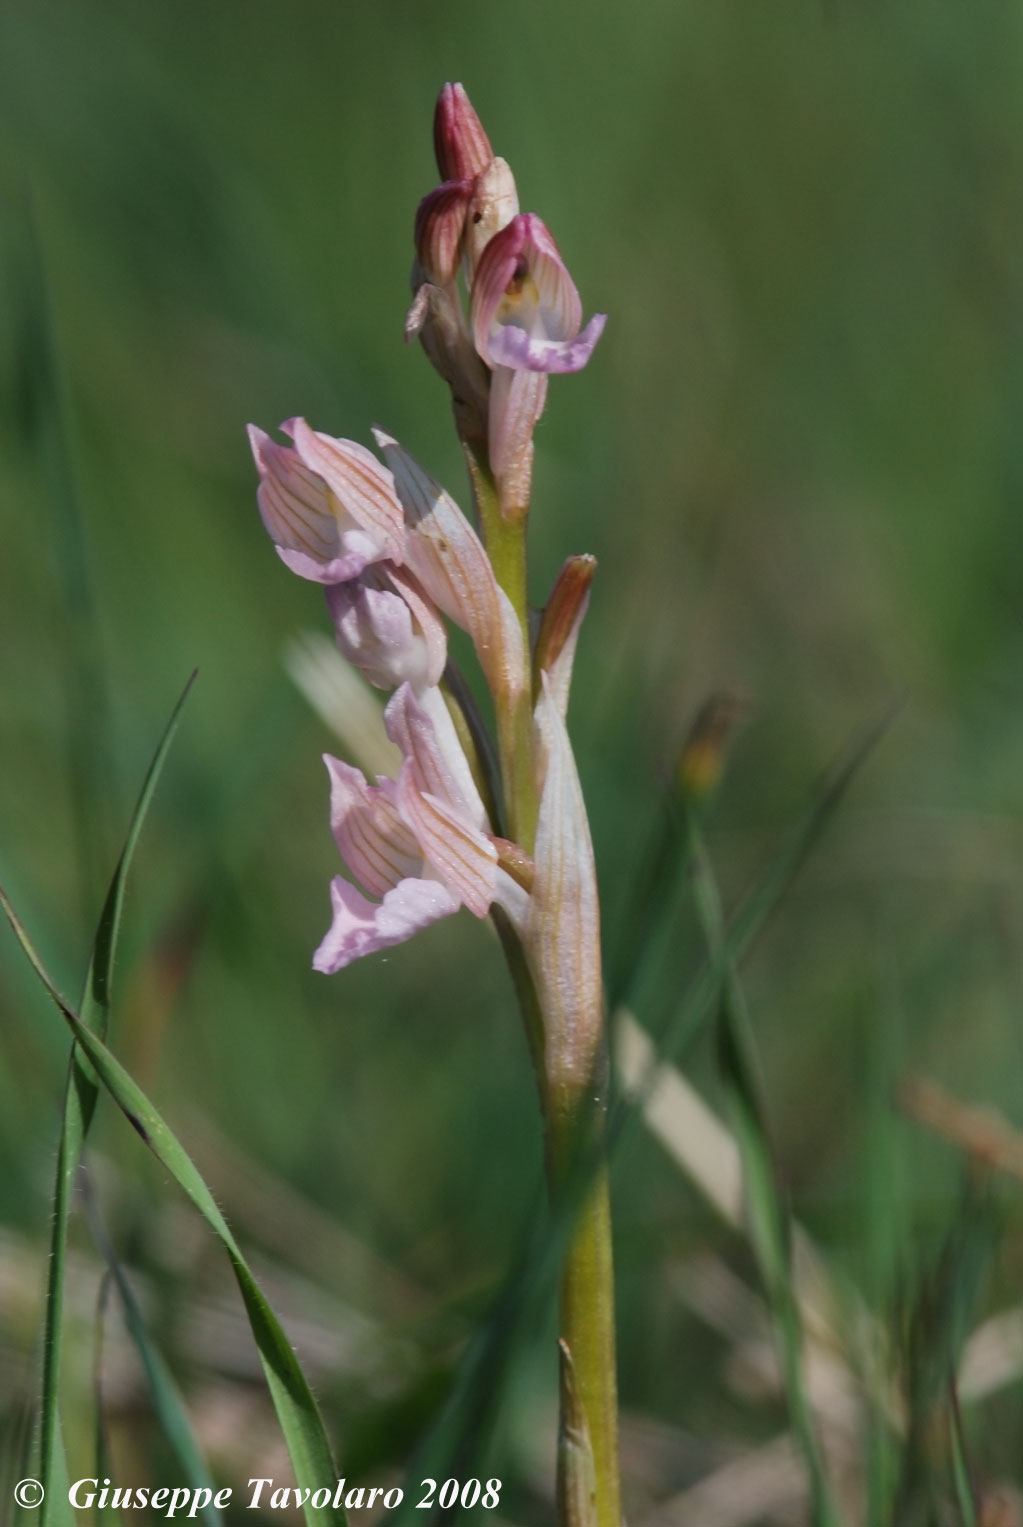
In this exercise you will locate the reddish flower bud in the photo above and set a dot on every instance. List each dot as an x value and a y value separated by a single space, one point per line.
462 147
559 627
440 227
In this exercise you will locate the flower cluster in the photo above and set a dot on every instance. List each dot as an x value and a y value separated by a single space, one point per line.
524 318
396 555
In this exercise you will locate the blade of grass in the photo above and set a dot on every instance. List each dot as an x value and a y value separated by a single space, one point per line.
960 1469
769 1224
79 1106
106 1516
47 418
297 1411
698 1005
945 1301
168 1404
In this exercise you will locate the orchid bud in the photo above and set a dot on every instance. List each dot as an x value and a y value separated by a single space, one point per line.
328 504
560 625
462 147
388 629
493 205
525 309
440 225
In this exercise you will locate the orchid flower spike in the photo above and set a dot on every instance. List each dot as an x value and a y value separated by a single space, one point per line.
329 506
525 310
420 845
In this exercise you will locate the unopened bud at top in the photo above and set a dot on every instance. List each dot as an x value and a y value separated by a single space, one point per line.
463 148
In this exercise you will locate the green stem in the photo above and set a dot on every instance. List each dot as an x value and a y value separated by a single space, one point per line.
588 1445
588 1480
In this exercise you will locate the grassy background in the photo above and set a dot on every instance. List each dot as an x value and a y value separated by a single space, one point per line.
797 457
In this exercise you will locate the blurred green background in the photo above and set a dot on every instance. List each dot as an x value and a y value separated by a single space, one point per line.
797 456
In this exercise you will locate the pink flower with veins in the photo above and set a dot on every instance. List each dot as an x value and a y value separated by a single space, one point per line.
419 844
525 309
329 506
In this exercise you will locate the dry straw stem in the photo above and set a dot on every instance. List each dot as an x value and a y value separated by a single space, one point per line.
987 1138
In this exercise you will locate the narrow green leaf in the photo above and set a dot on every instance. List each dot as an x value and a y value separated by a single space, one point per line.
293 1400
105 1515
769 1223
960 1468
79 1106
168 1404
699 1003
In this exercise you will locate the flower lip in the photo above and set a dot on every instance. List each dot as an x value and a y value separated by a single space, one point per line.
462 147
525 310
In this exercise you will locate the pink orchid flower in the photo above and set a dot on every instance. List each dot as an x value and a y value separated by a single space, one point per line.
418 846
525 310
329 506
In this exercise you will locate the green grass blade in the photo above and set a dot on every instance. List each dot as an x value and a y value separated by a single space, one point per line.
960 1469
944 1309
79 1106
105 1516
768 1219
168 1404
689 1019
293 1400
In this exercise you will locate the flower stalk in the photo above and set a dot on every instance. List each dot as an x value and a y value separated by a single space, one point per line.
497 313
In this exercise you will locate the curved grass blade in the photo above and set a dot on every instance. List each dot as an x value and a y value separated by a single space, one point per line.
768 1220
293 1400
105 1515
80 1097
168 1405
699 1003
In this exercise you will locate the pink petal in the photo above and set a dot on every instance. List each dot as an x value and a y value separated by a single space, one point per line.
372 839
360 926
463 857
422 728
512 346
494 274
449 560
363 488
359 552
293 501
387 628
